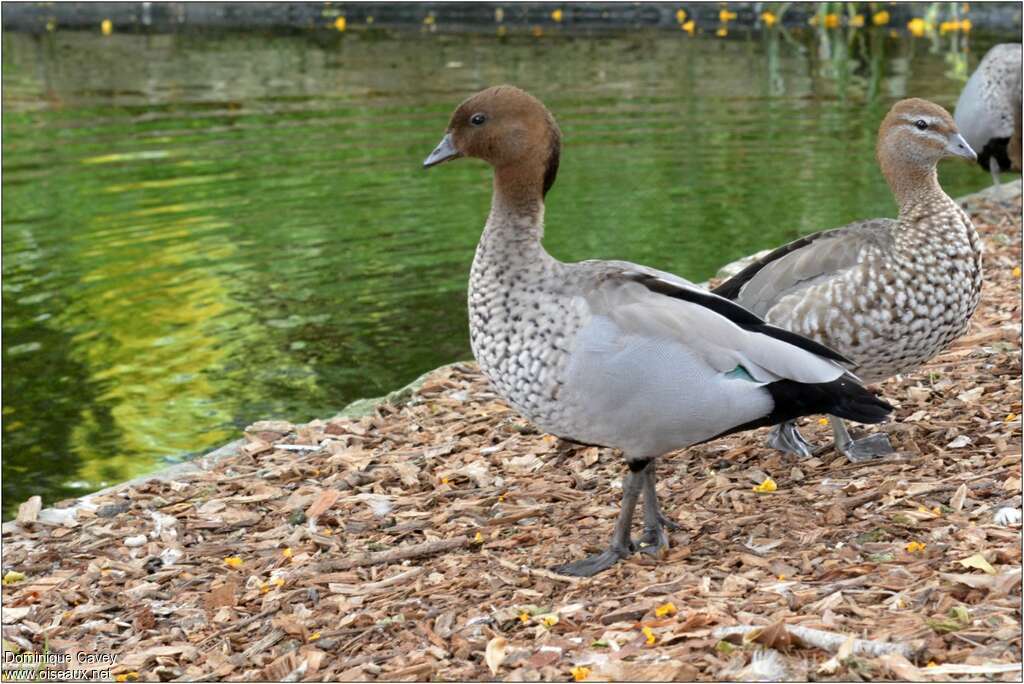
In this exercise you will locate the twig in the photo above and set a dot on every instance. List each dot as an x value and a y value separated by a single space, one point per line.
827 641
373 587
238 625
401 553
533 572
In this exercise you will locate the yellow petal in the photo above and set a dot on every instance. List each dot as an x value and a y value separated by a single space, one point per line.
767 486
557 15
13 577
665 609
915 547
579 673
681 16
823 421
287 552
649 634
880 18
314 636
689 27
524 617
768 18
1016 271
106 27
340 23
233 562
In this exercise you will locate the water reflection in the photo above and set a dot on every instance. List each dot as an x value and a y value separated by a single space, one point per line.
205 231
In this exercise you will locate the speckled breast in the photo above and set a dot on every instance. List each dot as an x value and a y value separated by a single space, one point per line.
520 326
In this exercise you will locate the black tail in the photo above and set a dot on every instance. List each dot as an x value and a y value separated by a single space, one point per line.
844 397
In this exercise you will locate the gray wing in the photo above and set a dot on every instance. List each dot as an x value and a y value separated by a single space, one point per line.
646 304
806 262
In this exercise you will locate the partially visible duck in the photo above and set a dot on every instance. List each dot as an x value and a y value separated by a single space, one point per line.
988 111
613 353
889 294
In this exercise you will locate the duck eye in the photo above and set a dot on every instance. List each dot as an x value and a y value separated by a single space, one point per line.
921 124
477 119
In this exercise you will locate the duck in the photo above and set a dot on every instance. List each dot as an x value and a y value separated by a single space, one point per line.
889 294
988 110
612 353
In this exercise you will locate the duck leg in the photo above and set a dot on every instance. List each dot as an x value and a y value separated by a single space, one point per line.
787 439
863 449
621 545
655 539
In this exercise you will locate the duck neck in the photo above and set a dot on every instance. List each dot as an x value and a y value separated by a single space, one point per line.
913 185
517 207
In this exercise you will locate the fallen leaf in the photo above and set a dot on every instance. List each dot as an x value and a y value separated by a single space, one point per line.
978 562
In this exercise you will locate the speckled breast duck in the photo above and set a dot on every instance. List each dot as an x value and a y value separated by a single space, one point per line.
613 353
889 294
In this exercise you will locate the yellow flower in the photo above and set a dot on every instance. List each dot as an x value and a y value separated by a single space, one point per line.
722 32
278 582
132 676
549 621
932 663
782 578
857 20
13 577
681 16
106 27
479 538
915 547
429 19
966 25
690 27
1016 271
287 552
823 421
916 26
947 26
557 15
768 18
880 18
726 16
444 480
831 21
649 635
665 609
767 486
233 562
314 636
579 673
340 23
524 617
1010 417
264 587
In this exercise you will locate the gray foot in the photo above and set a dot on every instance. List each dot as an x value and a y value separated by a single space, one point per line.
787 439
591 565
867 448
654 541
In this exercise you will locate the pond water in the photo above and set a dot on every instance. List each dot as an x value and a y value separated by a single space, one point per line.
201 231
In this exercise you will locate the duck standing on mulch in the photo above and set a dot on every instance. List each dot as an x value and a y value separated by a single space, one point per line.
889 294
614 353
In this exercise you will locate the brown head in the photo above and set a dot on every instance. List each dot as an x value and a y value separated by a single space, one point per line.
919 133
509 129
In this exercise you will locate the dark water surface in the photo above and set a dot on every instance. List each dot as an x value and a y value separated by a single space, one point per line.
203 231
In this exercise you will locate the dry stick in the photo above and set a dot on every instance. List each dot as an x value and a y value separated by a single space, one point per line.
533 572
238 625
401 553
827 641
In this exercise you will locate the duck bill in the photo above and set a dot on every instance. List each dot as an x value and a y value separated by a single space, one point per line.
958 147
444 151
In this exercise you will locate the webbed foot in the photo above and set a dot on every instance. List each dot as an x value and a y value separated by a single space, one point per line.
866 448
787 439
591 565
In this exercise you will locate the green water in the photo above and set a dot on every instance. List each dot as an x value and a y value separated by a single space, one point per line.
203 231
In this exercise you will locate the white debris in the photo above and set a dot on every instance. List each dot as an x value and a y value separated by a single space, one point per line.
135 541
1007 516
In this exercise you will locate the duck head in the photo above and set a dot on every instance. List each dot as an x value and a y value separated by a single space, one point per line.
509 129
920 133
914 136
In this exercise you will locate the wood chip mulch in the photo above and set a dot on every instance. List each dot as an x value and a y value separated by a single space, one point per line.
414 544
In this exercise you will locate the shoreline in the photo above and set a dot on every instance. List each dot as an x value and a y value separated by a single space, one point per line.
366 405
